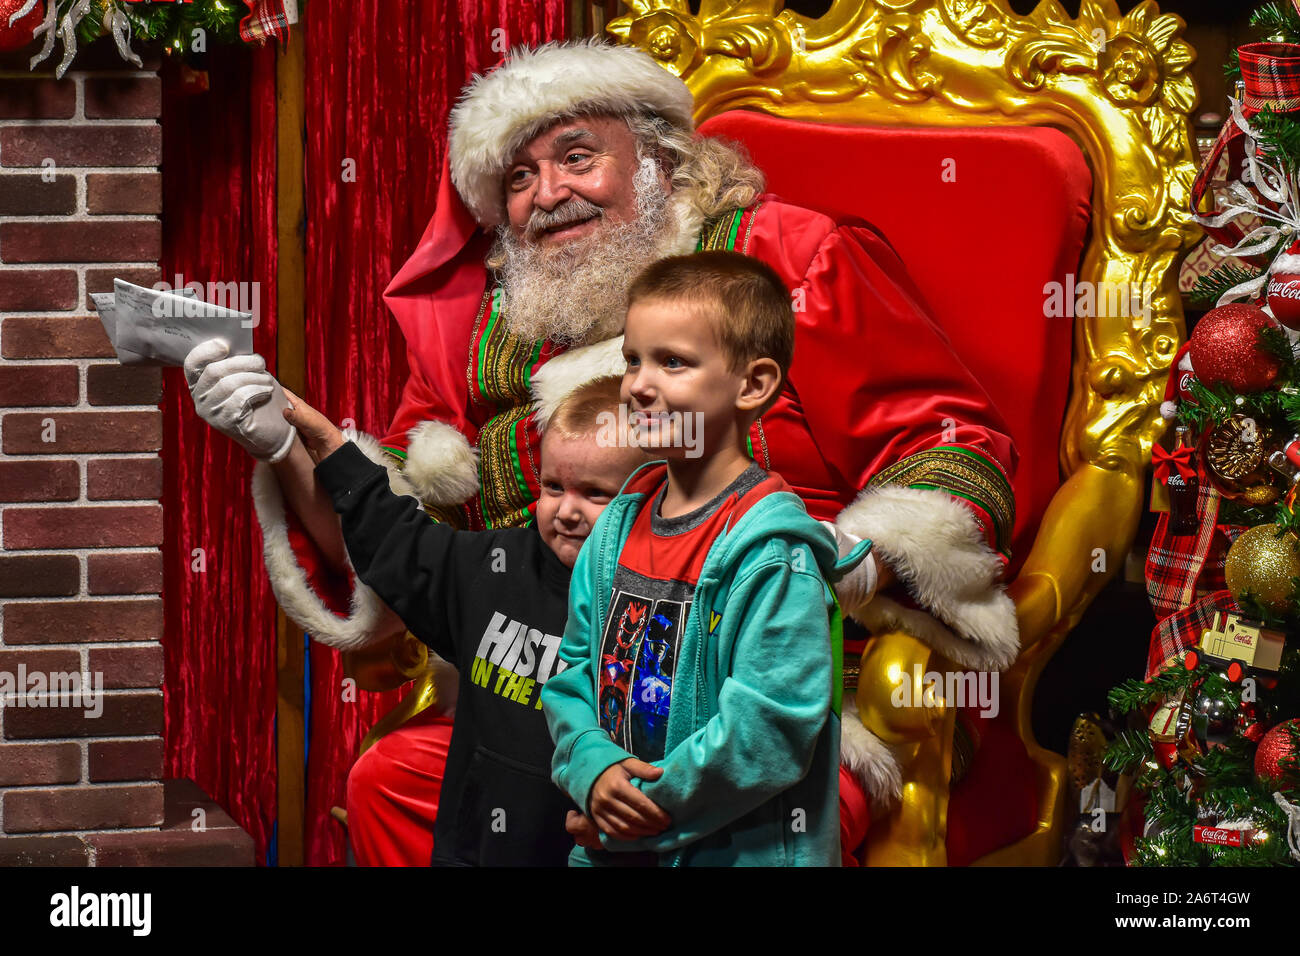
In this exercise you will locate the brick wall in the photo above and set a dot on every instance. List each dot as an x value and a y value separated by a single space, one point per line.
80 477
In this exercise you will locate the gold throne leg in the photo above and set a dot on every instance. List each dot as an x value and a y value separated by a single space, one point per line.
914 832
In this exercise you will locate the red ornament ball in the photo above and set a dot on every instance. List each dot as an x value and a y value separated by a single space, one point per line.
1225 348
20 34
1284 297
1275 747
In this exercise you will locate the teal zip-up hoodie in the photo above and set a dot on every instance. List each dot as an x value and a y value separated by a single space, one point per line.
751 759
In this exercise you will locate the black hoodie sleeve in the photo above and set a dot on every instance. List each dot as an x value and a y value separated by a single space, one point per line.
405 556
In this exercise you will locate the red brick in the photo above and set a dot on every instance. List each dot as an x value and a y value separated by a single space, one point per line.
91 622
124 715
128 668
103 55
134 240
65 850
138 193
83 808
25 385
39 659
76 432
101 280
32 196
73 337
93 144
26 765
32 290
121 479
137 573
124 97
83 526
37 99
39 480
39 575
185 847
112 760
123 385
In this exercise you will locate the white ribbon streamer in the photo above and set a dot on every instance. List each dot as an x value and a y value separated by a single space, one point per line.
117 22
1292 812
25 9
120 26
1275 183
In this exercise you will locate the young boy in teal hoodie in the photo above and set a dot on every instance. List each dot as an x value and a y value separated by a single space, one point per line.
697 721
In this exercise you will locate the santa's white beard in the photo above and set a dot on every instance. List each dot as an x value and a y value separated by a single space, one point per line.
576 292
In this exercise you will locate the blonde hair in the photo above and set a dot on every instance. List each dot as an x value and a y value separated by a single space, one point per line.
578 415
717 172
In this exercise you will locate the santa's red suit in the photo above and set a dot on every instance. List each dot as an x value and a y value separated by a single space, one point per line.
879 427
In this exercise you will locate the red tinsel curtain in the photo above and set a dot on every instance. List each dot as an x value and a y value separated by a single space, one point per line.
219 641
381 79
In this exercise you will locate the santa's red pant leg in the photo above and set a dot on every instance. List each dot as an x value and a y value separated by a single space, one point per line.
393 792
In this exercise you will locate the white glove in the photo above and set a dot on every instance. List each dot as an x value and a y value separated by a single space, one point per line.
857 587
239 398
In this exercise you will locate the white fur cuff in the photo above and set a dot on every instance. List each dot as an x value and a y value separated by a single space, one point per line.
934 545
869 759
289 581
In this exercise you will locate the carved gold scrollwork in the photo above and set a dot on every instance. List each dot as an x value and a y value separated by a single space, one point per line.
893 56
978 23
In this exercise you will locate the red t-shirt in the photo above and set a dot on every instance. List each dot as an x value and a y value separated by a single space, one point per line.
654 584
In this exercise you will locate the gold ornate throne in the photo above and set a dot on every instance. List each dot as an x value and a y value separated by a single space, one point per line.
1118 87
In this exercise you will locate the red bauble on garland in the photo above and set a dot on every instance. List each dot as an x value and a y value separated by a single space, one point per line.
1284 287
20 34
1275 747
1225 348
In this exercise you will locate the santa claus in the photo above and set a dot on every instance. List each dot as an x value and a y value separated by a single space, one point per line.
574 165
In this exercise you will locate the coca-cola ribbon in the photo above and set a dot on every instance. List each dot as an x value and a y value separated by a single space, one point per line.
1168 462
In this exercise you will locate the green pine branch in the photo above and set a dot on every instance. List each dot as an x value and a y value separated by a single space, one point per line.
1212 285
1279 19
1128 750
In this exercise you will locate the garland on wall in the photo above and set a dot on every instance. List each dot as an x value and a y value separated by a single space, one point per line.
180 28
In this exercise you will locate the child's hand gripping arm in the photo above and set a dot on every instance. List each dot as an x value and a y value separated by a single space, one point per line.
771 709
584 754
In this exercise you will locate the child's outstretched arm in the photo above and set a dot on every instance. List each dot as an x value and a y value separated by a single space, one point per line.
771 709
408 559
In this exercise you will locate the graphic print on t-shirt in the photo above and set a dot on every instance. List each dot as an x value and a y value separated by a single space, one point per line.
639 655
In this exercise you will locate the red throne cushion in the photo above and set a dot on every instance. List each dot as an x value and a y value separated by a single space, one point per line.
984 219
981 248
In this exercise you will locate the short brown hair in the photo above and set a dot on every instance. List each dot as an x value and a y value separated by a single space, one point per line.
744 300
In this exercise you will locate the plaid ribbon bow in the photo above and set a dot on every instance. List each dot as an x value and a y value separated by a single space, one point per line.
1270 76
267 19
1167 461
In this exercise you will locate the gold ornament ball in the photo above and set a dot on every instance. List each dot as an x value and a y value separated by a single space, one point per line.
1262 563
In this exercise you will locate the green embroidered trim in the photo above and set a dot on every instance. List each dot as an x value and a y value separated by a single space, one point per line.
719 233
963 473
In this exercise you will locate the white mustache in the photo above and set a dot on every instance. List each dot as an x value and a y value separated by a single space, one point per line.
572 210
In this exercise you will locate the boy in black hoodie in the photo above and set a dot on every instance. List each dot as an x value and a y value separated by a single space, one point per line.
494 603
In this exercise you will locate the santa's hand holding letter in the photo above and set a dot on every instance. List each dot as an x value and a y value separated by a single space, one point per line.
572 167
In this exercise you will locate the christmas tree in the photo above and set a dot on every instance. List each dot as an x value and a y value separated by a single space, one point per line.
1211 737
